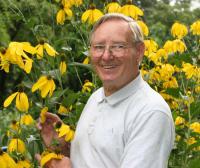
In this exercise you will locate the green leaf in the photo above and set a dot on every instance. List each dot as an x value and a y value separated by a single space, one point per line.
175 92
194 163
195 109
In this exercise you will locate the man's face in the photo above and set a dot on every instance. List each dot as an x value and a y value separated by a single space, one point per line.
113 54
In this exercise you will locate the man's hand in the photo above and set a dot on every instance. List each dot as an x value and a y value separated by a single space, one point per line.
56 163
49 134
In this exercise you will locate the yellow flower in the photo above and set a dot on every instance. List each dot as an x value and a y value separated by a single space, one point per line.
88 86
161 53
63 14
43 114
64 110
150 46
86 61
179 46
195 127
144 27
179 120
48 156
22 103
16 55
23 164
63 67
46 85
17 145
77 2
91 15
168 46
189 70
171 83
26 119
62 129
6 161
60 17
4 62
132 11
179 30
195 28
40 50
69 136
113 7
191 141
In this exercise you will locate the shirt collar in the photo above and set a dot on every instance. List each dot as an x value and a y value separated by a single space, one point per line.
123 93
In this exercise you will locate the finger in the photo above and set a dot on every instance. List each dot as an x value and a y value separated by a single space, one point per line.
52 117
38 157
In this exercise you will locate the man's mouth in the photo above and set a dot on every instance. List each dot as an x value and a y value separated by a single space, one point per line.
108 66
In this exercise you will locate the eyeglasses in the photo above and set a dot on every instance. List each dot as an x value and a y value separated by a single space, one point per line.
116 49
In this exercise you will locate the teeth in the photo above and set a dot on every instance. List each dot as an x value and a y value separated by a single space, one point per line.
108 66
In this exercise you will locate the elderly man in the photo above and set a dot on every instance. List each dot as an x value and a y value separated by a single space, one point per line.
125 124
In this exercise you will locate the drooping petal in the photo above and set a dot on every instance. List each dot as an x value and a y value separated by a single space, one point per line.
39 51
24 104
50 50
9 99
45 89
28 66
60 17
48 157
42 81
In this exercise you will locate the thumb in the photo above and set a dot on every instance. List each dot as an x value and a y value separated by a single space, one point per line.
38 157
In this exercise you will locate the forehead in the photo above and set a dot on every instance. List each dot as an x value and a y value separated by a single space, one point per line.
112 30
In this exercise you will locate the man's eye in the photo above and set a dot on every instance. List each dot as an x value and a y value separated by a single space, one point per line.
118 46
99 47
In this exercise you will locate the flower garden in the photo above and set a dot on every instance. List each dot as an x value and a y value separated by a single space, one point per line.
45 66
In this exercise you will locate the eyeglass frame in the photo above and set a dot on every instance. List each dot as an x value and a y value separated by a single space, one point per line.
111 48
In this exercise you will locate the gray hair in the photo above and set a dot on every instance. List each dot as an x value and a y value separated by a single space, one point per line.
137 34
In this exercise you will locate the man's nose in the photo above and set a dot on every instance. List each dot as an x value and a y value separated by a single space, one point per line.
107 54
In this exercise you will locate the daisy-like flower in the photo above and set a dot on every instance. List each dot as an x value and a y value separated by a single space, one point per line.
179 30
131 10
189 70
64 13
22 103
6 161
46 86
195 28
144 27
17 145
113 7
171 83
26 119
63 67
88 86
168 46
91 15
150 46
63 110
179 120
62 129
47 156
44 46
195 127
16 54
179 46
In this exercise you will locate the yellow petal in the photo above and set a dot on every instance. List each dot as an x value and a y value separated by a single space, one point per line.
28 48
86 15
50 50
48 157
69 136
23 101
53 87
45 89
42 81
39 51
9 99
28 66
60 17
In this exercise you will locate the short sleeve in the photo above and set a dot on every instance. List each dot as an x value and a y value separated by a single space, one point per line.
148 141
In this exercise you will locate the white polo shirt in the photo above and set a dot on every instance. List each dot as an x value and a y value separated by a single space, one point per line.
132 128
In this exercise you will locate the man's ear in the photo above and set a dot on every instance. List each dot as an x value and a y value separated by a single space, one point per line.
140 48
